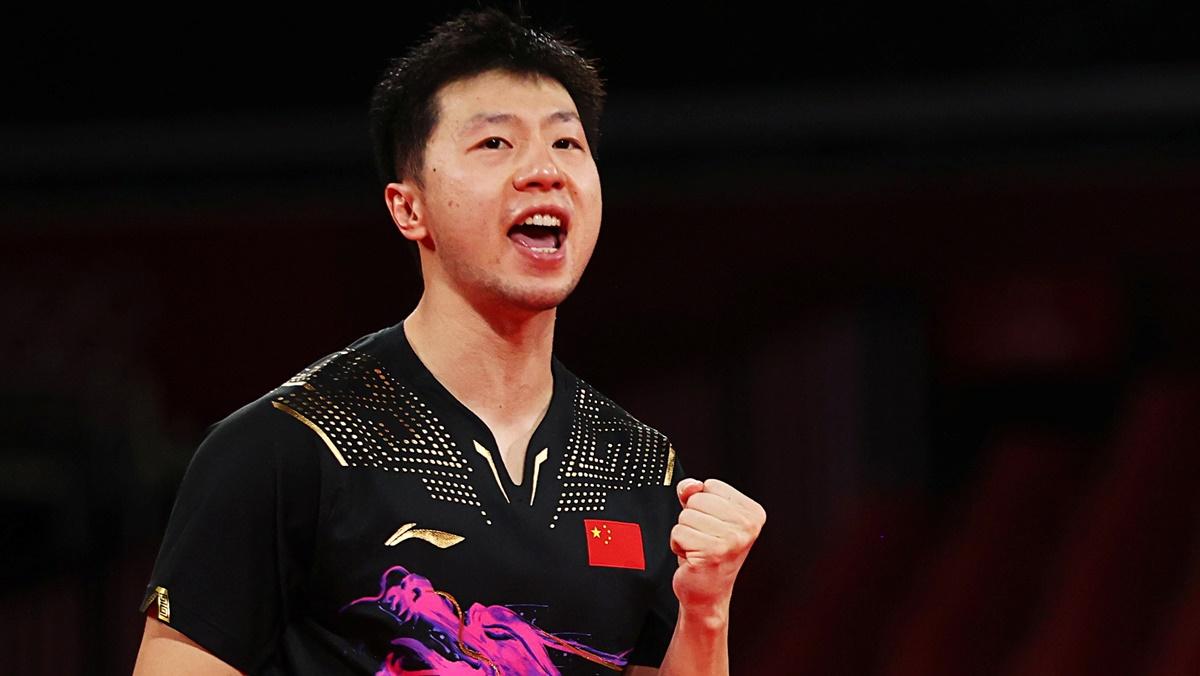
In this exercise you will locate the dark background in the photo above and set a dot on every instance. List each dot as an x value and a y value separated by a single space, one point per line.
921 281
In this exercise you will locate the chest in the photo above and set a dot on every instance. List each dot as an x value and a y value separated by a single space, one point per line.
396 566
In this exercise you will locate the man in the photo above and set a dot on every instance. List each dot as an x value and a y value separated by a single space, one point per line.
443 496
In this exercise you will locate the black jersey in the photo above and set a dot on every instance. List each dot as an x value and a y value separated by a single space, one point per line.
359 519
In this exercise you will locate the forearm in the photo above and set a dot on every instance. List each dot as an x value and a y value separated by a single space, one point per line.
716 528
700 644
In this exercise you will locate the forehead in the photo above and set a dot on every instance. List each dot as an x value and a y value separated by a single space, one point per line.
496 93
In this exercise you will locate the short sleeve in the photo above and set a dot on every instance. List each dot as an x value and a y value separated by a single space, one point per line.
239 541
659 623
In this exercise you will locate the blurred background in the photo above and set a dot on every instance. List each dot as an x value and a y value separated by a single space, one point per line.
923 282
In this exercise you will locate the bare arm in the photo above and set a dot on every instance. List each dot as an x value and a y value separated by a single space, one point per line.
716 529
166 651
700 645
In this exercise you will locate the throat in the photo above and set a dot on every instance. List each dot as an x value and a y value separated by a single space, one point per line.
512 439
514 444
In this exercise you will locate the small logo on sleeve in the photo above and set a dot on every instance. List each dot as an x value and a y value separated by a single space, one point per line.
614 544
162 602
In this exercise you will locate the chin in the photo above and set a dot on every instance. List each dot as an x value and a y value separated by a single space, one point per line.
539 302
539 299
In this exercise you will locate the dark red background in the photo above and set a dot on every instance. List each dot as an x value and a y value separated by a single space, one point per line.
922 284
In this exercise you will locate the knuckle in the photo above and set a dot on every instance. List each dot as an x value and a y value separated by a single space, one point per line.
758 515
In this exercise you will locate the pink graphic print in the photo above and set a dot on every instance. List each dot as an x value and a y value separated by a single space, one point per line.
490 640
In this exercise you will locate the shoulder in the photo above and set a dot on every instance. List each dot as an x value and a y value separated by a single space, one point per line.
348 400
592 401
361 361
254 450
278 427
650 455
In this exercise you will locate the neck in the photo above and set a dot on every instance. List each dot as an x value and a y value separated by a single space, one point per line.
496 364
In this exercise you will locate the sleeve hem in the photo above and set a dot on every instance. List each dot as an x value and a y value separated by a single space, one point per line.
204 632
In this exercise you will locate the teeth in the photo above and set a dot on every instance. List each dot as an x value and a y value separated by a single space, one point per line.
544 220
543 249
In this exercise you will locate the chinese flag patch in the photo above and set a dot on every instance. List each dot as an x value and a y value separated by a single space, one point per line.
615 544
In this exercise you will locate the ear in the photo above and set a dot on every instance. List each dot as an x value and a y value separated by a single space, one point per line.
405 205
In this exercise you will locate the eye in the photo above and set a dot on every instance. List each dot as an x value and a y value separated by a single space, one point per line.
495 143
567 144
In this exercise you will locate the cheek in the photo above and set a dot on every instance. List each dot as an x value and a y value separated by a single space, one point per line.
586 182
452 202
591 177
462 194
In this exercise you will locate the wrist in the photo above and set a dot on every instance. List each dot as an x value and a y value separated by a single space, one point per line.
709 617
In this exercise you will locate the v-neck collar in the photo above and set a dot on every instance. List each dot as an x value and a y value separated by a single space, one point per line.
543 451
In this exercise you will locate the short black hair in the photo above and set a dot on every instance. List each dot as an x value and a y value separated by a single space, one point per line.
404 106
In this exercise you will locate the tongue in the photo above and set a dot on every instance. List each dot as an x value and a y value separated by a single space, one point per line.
533 237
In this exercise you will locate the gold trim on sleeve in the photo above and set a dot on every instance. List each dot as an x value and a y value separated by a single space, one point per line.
162 600
670 465
487 455
537 465
438 538
312 426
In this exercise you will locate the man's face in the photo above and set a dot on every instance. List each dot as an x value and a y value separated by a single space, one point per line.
511 195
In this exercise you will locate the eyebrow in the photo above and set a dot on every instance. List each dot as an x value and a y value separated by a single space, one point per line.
564 116
484 119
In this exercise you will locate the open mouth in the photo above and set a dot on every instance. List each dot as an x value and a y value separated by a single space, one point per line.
540 233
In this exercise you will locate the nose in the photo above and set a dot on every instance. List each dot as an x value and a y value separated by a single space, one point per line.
538 172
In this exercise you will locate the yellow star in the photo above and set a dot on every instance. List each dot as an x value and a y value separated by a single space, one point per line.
595 532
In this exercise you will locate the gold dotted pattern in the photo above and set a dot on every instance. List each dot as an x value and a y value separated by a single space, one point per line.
637 455
370 420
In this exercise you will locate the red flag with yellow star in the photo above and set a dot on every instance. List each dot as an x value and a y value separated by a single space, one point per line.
615 544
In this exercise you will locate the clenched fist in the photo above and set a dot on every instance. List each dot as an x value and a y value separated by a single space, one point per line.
716 528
